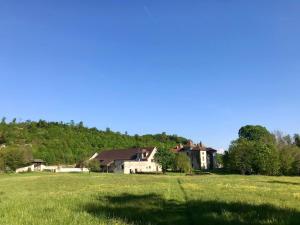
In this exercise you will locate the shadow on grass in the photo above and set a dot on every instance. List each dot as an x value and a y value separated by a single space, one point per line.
283 182
153 209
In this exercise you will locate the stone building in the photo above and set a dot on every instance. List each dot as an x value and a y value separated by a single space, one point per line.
201 157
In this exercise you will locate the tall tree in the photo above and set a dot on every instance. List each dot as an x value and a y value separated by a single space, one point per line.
297 139
3 120
254 152
165 158
256 133
182 163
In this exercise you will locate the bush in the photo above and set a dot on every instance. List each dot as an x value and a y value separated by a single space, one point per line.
14 157
93 165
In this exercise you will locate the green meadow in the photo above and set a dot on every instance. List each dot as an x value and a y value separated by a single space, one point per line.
86 199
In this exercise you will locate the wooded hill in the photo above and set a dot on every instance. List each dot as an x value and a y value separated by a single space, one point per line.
68 143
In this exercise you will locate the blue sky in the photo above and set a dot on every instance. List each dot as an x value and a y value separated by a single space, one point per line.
199 69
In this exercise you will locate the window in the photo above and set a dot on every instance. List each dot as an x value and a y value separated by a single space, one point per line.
144 154
122 167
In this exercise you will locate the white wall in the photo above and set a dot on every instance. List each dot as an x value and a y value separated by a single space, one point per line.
94 156
203 160
57 169
124 166
148 166
25 169
141 166
71 170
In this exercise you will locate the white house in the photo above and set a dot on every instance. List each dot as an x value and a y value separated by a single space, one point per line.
133 160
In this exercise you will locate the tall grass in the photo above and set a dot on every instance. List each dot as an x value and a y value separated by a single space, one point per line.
41 198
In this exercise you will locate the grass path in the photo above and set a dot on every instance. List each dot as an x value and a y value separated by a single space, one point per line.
188 209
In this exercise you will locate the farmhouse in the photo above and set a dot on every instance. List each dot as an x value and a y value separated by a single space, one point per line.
201 156
133 160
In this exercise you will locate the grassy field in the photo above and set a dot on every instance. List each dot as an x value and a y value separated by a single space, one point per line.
86 199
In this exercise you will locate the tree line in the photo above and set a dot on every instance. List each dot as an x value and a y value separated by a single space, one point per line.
66 143
257 151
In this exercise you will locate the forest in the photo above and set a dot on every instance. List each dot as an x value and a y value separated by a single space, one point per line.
66 143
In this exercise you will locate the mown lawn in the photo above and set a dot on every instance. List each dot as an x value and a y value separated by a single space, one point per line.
60 199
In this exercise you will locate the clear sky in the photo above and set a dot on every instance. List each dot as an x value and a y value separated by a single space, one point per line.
199 69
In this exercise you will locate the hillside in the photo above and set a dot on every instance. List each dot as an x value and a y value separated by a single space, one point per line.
65 143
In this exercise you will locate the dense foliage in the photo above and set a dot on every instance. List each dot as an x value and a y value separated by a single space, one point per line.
182 163
93 165
66 143
289 153
257 151
165 158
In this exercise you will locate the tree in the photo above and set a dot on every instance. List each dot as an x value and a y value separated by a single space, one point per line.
287 139
182 163
2 162
226 160
165 158
297 139
220 160
287 158
265 159
256 133
3 120
240 156
289 153
72 123
13 158
2 139
296 164
254 152
14 120
63 143
80 124
93 165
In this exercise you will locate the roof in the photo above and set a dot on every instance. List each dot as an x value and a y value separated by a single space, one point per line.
108 156
37 161
198 147
211 150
